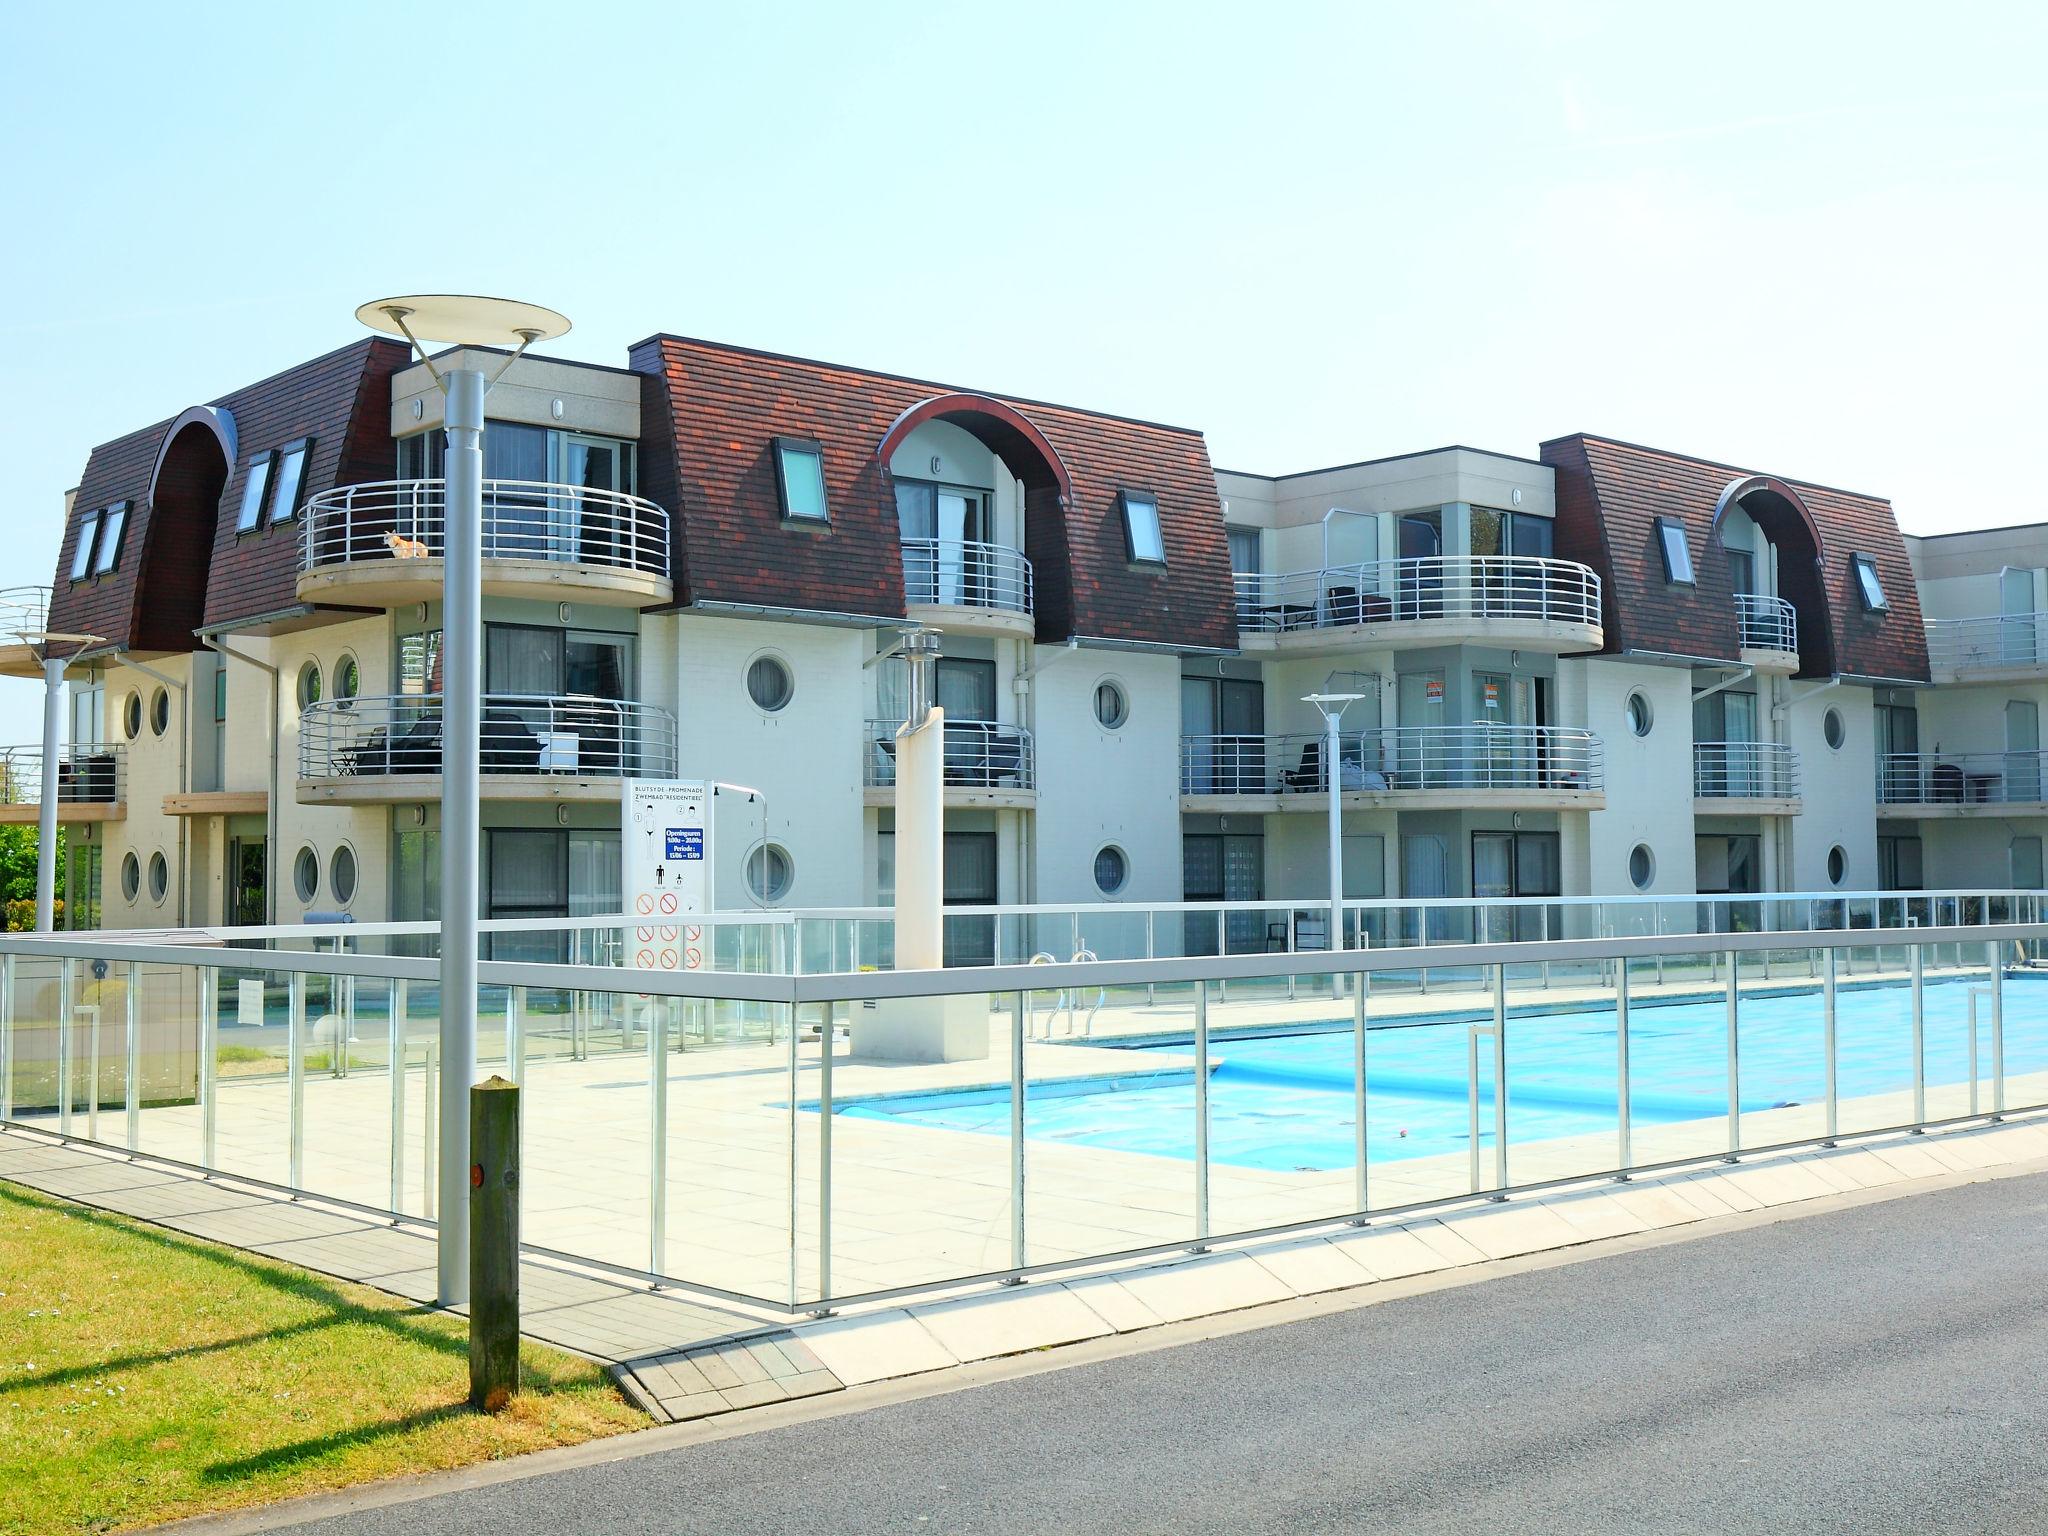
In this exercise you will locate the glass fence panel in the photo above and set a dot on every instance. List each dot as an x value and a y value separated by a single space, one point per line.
169 1041
586 1160
253 1039
1563 1072
1874 1039
1419 1089
33 1004
1781 1047
2017 1056
341 1143
1956 1031
1678 1057
413 1033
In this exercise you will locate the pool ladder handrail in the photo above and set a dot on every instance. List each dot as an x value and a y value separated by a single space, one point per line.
1066 1003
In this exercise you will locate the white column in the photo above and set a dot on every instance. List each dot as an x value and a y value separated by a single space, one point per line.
1334 769
921 842
46 820
461 729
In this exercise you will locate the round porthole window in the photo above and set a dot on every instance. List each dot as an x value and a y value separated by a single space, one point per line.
1838 864
1642 866
1112 705
1112 870
769 683
306 874
341 875
160 711
769 872
131 714
159 877
309 685
1832 730
131 877
348 681
1640 715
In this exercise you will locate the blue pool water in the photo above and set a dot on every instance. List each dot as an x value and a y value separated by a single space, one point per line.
1284 1100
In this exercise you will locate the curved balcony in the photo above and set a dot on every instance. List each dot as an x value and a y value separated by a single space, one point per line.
967 587
1736 778
381 544
92 782
24 611
532 747
1513 600
1452 767
1770 632
1962 783
988 763
1997 648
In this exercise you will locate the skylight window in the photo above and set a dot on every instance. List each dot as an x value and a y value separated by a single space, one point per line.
1868 587
1676 552
1143 541
289 479
253 492
113 524
88 536
800 478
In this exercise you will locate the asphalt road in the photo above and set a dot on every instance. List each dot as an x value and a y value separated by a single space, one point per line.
1878 1369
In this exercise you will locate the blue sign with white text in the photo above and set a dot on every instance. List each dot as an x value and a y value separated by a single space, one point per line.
684 843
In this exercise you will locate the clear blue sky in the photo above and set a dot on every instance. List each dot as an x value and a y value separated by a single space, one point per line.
1804 237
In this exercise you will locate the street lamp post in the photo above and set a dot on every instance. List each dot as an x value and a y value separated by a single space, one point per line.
1331 707
463 320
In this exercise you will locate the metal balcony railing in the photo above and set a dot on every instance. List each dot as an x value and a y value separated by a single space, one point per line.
1744 770
92 774
1564 759
980 754
1768 623
1478 588
1988 643
951 573
572 735
523 520
23 611
1962 778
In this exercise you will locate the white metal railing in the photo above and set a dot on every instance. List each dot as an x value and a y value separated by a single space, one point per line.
980 754
1567 759
952 573
1768 623
93 774
1479 588
318 1073
1962 778
23 611
1744 770
572 735
1989 642
523 520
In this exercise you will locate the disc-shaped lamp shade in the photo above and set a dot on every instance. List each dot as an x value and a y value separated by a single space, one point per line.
463 319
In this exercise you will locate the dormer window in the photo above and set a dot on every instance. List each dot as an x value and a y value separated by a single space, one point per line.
88 537
288 480
1143 541
1677 554
254 489
1868 587
113 524
800 480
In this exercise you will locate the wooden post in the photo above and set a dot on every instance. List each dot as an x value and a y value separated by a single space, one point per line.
493 1244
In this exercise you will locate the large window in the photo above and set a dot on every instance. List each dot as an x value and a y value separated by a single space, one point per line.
255 487
88 538
1143 540
113 525
289 480
527 659
1898 863
1868 587
800 480
1677 554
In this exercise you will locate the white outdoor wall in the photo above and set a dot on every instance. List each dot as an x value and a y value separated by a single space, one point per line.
1097 786
1839 804
1649 778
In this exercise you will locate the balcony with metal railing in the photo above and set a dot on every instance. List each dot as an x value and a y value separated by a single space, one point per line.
92 783
969 588
1770 632
24 612
1515 600
1745 777
1925 784
1995 648
531 747
1458 766
988 763
381 544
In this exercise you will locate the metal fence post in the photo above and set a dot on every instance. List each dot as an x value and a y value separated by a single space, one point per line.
1201 1118
67 996
657 1155
1997 1030
6 1037
295 1074
824 1172
394 1051
789 1158
1915 961
1828 1044
1359 1148
1500 1082
133 1099
1017 1087
1621 1122
515 1036
209 1056
1734 1056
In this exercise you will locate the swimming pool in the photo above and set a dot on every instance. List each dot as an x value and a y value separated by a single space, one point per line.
1284 1099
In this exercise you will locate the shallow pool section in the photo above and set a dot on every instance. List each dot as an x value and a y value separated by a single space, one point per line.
1285 1100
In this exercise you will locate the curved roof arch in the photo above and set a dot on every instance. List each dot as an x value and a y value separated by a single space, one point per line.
1007 431
217 419
1741 489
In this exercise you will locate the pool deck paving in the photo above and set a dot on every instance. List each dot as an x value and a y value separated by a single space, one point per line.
681 1356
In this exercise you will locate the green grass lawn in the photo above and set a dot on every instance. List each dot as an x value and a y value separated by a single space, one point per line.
145 1375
